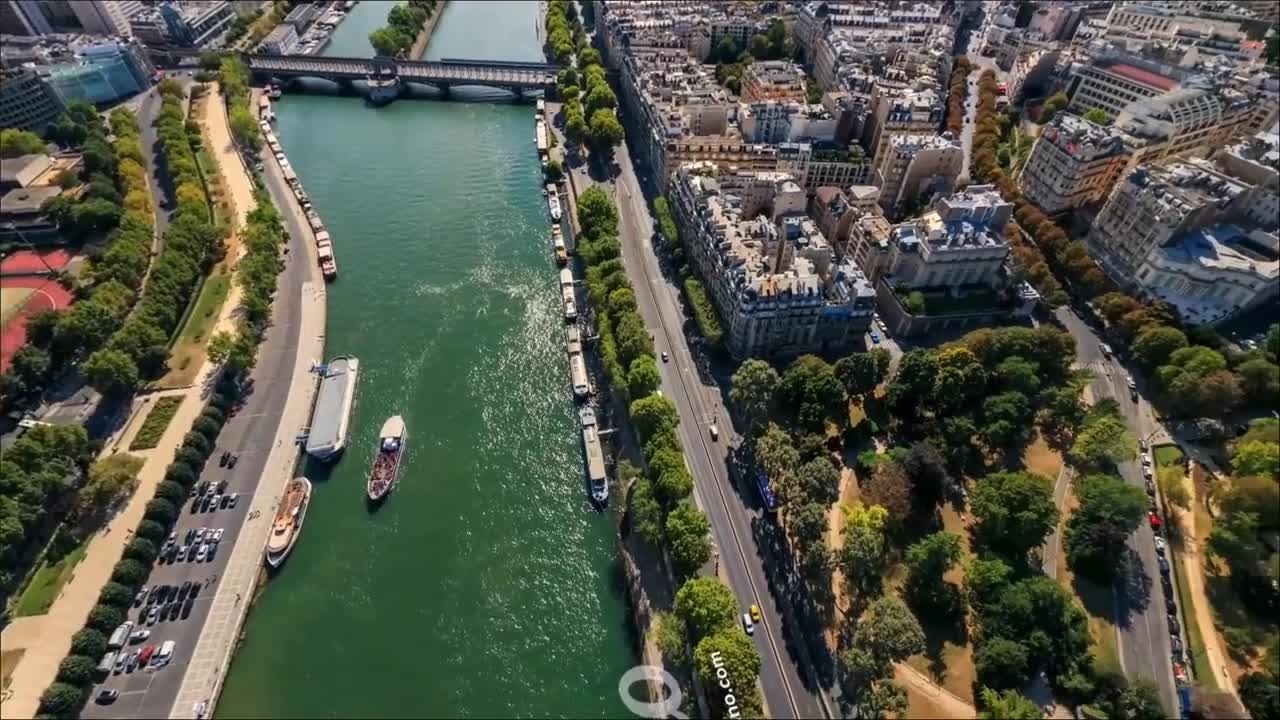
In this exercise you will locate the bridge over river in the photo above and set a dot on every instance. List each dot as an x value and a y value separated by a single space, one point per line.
387 76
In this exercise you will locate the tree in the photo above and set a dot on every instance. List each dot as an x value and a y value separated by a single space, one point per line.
1097 116
1257 495
817 481
1154 345
1002 664
76 670
1195 382
646 513
161 510
1104 441
929 477
600 97
1006 421
688 533
1007 705
31 365
813 393
860 373
61 700
16 143
1260 694
1015 512
110 371
116 595
729 651
890 488
653 413
151 530
863 556
752 389
705 605
597 213
606 131
778 458
1110 509
670 634
927 561
1052 106
1234 538
888 632
105 618
108 479
89 642
1260 381
1256 457
220 347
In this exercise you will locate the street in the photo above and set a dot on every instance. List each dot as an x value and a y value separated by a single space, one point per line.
250 435
742 536
1141 620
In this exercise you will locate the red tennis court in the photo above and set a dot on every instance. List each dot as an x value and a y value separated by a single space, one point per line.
48 295
28 262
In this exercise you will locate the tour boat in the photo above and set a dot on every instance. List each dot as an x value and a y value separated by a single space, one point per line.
386 462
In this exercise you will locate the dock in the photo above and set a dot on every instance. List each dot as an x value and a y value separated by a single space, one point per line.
331 417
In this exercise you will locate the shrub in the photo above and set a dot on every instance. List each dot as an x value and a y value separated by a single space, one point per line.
105 618
89 642
130 572
197 442
171 491
116 595
208 427
151 530
162 511
193 458
221 401
61 699
215 414
142 550
181 473
76 670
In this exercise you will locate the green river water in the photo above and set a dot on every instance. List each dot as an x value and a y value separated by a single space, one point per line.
484 586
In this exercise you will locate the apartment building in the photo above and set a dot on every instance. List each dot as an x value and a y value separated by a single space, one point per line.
839 38
26 100
916 167
282 40
1073 163
1201 235
197 23
870 236
917 110
771 121
959 242
777 80
770 272
1188 120
1110 81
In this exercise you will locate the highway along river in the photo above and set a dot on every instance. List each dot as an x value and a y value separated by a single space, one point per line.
484 586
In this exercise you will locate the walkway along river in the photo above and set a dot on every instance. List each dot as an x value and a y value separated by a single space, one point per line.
484 586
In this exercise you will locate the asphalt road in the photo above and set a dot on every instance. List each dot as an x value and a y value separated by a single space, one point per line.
1142 625
249 434
739 530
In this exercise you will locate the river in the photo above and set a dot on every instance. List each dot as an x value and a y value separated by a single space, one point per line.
484 586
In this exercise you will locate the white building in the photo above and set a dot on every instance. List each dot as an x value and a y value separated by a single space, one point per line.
1073 163
282 40
917 166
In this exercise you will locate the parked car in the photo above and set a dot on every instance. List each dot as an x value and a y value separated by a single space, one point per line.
1177 647
140 598
235 498
1174 627
222 486
755 613
132 662
748 626
224 501
182 553
121 660
222 460
199 536
665 356
195 505
138 636
1159 545
1164 565
217 535
186 606
153 616
146 654
232 462
204 504
1155 521
200 553
173 609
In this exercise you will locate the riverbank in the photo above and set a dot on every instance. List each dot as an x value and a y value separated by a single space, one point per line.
420 43
219 638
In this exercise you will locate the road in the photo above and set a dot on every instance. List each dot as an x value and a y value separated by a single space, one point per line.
1141 620
740 532
250 434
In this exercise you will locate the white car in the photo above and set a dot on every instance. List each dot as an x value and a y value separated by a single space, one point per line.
1159 545
153 616
748 626
217 535
200 554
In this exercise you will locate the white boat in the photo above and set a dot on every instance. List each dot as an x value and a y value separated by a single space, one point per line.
288 523
330 420
596 476
388 458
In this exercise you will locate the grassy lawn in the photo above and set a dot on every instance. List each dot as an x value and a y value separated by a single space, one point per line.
188 350
47 583
1195 641
1168 455
156 423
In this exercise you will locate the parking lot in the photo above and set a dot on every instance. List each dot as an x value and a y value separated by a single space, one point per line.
248 435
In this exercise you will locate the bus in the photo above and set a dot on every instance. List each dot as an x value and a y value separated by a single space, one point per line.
766 493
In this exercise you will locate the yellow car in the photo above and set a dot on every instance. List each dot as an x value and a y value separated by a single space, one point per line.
755 613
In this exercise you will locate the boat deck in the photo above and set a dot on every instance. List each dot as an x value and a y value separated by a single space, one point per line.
333 405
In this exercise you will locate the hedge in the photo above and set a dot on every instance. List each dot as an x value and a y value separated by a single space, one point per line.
703 311
116 595
181 473
62 699
130 572
162 511
105 618
151 530
89 642
77 670
198 442
142 550
171 491
191 457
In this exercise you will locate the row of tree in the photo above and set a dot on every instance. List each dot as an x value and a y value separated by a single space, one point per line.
404 22
263 237
234 77
67 694
193 243
590 111
38 477
705 614
957 92
1196 375
565 35
106 292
